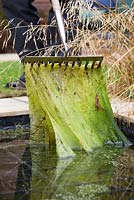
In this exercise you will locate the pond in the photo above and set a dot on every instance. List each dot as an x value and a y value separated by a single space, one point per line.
33 172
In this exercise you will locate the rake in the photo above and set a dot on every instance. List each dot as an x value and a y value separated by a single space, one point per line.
86 61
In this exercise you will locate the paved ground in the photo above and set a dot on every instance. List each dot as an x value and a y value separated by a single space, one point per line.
123 108
9 57
14 106
19 106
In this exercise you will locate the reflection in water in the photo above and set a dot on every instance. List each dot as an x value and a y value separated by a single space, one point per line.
107 173
24 176
104 174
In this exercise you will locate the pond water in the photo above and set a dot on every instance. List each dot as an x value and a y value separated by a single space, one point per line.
33 172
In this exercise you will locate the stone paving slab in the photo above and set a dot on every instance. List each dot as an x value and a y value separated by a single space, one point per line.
123 109
14 106
9 57
19 106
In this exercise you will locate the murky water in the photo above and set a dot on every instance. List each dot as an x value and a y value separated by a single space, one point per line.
33 172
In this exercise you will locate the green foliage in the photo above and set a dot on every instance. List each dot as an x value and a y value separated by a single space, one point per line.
9 71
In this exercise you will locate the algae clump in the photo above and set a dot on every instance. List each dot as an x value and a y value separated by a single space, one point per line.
69 108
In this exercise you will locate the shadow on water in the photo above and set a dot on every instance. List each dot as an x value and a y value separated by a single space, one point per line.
32 172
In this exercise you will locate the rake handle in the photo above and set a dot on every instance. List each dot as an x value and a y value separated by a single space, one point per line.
57 10
56 5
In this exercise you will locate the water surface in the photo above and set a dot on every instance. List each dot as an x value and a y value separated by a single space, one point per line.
33 172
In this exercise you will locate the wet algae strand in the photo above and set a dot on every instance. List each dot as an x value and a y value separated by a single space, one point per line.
69 108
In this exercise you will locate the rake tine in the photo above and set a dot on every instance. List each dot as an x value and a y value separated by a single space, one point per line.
52 65
36 64
65 63
99 65
87 61
73 63
86 64
93 64
45 64
79 63
70 63
49 65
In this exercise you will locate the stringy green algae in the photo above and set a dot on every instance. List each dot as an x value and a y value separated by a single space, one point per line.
69 108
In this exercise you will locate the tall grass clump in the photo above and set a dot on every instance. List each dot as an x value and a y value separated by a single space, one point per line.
111 35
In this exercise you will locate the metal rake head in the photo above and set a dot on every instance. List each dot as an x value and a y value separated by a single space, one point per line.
88 61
